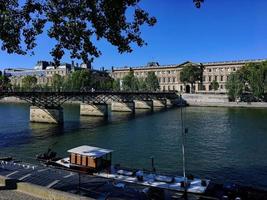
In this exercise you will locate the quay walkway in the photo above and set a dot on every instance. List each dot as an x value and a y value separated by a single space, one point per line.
71 182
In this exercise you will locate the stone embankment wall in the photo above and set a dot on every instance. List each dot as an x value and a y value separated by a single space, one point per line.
216 100
11 100
38 191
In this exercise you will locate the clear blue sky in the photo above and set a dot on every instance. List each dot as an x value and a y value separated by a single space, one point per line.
221 30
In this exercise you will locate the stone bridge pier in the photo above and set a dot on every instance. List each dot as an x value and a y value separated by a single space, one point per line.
46 115
126 106
94 109
159 103
144 104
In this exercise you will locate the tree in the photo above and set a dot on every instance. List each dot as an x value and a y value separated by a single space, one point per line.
142 84
29 83
57 82
116 85
152 82
191 74
214 85
79 80
4 83
235 85
130 82
74 25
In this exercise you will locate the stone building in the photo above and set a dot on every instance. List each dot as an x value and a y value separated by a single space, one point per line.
44 72
169 75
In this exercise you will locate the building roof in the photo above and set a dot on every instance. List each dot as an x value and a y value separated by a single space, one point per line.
90 151
148 67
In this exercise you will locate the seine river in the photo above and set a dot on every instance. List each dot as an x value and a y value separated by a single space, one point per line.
223 144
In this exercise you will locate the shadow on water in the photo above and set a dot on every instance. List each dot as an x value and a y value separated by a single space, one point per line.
42 130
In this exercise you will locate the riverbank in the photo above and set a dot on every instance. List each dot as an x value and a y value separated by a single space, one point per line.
218 100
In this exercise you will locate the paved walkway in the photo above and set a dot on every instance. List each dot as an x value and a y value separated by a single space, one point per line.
84 185
14 195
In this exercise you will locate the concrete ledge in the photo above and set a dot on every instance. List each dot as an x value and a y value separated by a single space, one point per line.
233 105
39 191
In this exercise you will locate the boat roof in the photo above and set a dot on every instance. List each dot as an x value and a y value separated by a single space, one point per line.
94 152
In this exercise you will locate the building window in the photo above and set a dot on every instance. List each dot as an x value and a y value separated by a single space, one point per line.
221 86
209 78
215 78
173 87
173 80
169 80
209 70
227 78
163 80
234 69
181 88
204 78
221 78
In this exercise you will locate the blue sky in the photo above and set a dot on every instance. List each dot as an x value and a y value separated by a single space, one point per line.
219 31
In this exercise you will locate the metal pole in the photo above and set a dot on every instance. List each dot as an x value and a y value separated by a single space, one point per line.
183 153
79 186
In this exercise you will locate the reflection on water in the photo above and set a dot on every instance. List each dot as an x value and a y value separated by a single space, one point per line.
42 130
224 144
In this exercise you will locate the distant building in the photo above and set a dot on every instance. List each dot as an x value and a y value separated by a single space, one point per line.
44 72
169 75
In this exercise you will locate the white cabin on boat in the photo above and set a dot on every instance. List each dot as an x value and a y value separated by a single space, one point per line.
90 158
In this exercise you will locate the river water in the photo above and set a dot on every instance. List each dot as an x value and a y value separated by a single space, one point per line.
223 144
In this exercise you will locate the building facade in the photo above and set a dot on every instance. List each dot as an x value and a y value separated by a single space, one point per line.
44 72
169 75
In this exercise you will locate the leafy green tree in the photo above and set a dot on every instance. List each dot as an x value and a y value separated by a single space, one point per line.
74 25
79 80
29 83
255 78
142 84
116 85
57 82
235 85
191 74
130 82
214 85
152 82
4 83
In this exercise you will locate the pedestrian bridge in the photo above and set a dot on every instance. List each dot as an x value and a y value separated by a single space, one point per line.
47 106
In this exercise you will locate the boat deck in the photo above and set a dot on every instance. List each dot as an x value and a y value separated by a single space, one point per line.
155 180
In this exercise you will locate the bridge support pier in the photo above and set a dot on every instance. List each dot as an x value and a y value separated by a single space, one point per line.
94 109
159 103
169 103
43 115
145 104
122 106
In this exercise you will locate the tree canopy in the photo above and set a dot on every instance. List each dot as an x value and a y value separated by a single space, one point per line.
4 82
29 83
130 82
74 25
250 79
214 85
191 74
152 83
